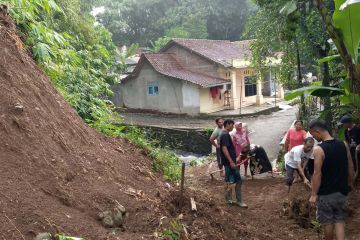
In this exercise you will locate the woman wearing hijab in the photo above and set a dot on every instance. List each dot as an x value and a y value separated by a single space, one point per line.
240 135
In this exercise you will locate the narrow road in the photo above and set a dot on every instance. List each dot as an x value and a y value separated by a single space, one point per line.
266 130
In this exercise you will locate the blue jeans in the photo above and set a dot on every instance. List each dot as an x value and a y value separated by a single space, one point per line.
290 174
232 175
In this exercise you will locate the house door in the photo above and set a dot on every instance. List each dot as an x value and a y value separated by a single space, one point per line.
250 86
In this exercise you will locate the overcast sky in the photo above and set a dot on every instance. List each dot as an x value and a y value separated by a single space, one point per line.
97 10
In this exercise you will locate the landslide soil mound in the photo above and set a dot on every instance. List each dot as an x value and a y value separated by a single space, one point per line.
56 173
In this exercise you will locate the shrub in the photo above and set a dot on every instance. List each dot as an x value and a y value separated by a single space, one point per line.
162 159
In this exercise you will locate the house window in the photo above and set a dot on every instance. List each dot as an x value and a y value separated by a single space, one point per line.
250 86
153 89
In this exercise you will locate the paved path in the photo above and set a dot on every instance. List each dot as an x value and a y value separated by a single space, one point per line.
266 130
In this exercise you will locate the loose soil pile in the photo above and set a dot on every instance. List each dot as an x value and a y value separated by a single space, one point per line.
56 173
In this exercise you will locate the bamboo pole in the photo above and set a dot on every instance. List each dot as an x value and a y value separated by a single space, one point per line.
182 185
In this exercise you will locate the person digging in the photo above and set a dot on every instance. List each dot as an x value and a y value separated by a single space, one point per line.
232 172
295 159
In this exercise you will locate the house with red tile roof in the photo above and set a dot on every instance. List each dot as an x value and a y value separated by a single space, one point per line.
193 76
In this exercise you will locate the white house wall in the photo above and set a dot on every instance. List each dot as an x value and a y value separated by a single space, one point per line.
209 104
172 97
191 97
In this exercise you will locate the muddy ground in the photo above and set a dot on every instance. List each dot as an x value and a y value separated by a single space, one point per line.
268 215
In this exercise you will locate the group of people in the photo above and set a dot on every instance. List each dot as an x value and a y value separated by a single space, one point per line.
329 164
233 149
324 163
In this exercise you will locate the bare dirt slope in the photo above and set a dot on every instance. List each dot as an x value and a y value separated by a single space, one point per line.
56 173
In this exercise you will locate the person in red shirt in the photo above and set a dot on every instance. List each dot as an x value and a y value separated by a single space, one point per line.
295 136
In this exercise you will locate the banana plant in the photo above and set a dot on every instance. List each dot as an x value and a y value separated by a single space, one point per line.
349 102
345 33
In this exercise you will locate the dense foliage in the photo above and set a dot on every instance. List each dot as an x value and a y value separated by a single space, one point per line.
290 29
77 54
142 21
164 161
338 18
312 40
79 57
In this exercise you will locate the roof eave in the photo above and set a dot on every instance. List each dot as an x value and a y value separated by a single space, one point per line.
214 85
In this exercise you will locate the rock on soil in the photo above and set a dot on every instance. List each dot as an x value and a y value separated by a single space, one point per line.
43 236
115 217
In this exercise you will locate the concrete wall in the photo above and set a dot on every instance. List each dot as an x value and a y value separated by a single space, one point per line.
209 104
269 84
117 97
194 62
191 96
191 140
171 97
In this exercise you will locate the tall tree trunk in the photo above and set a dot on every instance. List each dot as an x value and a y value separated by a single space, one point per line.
299 78
354 73
326 83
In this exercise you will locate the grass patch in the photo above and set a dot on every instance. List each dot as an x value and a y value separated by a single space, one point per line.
173 232
163 160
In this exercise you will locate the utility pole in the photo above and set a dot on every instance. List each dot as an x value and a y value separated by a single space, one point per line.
275 88
241 89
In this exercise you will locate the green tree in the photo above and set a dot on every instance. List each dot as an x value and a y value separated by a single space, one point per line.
134 21
142 21
193 27
296 29
76 54
226 19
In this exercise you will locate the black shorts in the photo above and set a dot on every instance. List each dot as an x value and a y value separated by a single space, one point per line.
331 208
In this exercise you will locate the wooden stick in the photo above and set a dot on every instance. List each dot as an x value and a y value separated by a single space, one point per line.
182 184
220 170
193 204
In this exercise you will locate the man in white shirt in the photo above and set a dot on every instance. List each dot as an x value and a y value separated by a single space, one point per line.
296 159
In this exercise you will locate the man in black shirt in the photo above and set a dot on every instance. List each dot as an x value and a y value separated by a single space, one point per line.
228 159
352 136
332 180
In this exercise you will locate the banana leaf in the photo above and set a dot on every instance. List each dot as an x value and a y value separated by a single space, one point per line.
318 91
346 19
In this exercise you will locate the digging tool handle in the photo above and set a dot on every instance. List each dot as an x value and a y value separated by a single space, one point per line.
182 184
